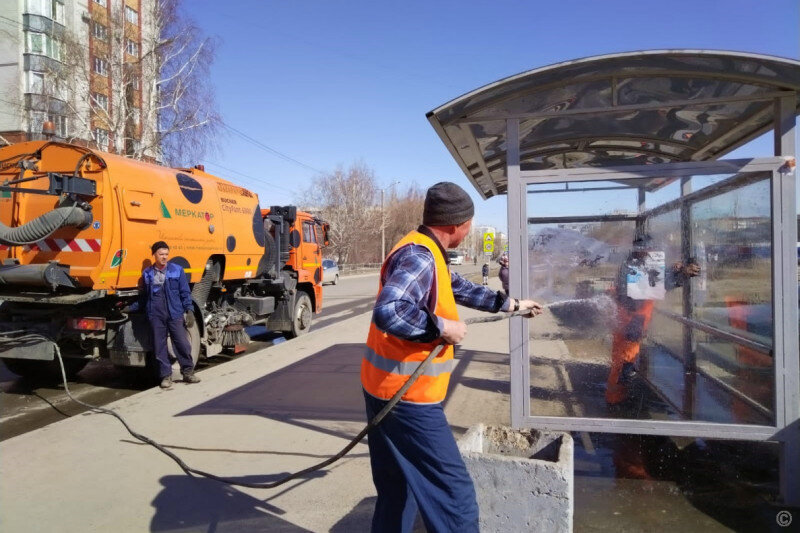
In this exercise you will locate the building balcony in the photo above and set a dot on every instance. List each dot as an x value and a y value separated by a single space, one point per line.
41 63
48 104
43 24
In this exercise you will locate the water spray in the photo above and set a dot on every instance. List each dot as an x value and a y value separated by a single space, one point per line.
597 311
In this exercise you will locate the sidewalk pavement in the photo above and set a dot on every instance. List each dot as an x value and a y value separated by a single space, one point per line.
271 412
283 409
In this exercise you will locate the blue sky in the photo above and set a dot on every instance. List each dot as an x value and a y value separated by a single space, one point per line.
331 83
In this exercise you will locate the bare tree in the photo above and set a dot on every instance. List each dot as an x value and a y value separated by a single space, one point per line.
147 97
177 65
346 199
403 213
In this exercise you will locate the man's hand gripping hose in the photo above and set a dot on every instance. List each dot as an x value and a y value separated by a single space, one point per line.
371 424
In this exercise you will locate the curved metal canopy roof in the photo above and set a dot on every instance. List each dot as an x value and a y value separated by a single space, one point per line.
630 108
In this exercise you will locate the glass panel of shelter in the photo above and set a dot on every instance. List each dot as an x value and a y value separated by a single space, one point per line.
629 335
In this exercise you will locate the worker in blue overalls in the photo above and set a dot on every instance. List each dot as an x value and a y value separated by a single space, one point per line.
166 299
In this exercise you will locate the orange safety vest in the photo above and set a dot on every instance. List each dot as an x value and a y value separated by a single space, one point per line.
389 361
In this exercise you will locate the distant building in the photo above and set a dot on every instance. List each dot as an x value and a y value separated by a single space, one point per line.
77 64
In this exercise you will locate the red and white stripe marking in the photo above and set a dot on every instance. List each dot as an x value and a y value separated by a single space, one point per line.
61 245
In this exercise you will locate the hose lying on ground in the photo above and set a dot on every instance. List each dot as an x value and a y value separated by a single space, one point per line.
43 226
270 485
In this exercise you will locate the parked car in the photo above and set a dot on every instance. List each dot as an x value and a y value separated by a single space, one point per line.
330 271
456 258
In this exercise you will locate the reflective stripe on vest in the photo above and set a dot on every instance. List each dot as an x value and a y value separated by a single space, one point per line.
389 361
407 368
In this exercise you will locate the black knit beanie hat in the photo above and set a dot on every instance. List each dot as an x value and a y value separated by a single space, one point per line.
447 204
157 246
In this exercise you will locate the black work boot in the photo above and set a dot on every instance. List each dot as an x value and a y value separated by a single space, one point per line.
190 377
166 382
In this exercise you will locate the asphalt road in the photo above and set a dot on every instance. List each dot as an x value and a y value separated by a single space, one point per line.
27 404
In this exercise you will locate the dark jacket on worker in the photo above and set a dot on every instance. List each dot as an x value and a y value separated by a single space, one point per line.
176 287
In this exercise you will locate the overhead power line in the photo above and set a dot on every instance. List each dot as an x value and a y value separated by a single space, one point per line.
269 149
255 179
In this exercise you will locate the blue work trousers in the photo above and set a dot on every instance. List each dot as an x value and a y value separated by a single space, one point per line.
416 466
162 325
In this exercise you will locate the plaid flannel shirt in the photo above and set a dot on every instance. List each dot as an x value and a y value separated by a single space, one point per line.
403 307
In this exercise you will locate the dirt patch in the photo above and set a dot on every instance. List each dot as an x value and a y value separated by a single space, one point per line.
508 440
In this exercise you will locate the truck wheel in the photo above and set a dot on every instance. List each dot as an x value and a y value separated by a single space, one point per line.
48 370
193 335
336 279
301 316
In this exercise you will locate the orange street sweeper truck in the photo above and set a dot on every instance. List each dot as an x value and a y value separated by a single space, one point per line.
76 227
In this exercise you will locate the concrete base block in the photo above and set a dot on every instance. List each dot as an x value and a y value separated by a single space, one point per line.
523 478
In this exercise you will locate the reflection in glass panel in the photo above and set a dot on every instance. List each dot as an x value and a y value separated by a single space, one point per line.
732 238
664 230
617 341
581 200
746 373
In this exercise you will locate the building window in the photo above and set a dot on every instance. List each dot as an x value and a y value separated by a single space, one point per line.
35 43
52 9
38 119
34 7
135 116
35 123
54 48
135 83
101 138
60 122
99 31
100 66
131 15
39 7
100 100
41 43
35 82
100 2
58 12
132 47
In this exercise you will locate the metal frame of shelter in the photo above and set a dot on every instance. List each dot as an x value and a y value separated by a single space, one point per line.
623 117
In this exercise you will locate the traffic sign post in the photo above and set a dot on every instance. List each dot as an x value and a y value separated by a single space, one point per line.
488 242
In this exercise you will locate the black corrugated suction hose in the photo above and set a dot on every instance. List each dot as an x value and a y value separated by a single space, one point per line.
42 227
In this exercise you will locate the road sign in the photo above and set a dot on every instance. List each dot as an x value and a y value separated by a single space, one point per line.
488 242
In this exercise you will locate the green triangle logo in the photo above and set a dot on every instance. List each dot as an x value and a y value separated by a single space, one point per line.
164 210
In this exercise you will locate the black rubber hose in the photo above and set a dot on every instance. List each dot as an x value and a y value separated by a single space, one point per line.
271 485
42 227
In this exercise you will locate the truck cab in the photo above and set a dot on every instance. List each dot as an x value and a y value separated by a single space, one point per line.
307 235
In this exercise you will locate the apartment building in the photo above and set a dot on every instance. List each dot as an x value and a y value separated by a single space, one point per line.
79 65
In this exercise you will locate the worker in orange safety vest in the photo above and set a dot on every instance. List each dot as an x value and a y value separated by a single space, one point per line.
633 318
416 465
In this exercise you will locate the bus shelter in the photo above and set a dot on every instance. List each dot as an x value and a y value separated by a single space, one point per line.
612 157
